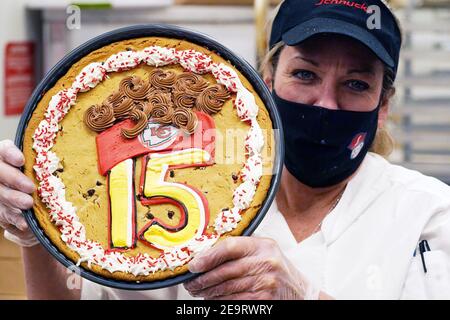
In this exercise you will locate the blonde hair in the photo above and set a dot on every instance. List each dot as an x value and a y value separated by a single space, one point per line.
383 143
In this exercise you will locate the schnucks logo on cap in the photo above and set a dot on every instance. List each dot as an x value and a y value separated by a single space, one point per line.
353 4
357 144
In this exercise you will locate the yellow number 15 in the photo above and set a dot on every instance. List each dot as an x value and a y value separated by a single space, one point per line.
191 202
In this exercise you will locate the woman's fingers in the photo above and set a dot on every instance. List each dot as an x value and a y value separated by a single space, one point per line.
23 234
22 238
15 179
261 295
12 219
256 283
11 157
231 248
233 258
247 266
15 199
243 268
227 271
16 227
9 153
15 188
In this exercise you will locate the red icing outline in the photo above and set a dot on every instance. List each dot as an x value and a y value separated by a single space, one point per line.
162 200
112 149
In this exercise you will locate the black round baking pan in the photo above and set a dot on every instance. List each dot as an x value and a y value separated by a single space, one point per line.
137 31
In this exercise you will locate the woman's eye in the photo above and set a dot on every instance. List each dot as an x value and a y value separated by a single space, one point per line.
357 85
305 75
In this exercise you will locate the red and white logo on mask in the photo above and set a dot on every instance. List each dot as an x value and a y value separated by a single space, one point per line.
357 144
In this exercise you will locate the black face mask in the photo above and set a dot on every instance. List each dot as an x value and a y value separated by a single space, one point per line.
323 146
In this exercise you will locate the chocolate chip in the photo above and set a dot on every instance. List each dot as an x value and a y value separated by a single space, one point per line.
128 49
170 214
149 215
90 192
225 209
98 183
234 176
60 170
172 173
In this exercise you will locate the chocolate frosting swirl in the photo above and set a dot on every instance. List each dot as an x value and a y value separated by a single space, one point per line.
160 97
134 88
166 97
212 99
141 122
185 119
161 79
190 83
162 113
148 110
182 99
115 99
99 117
122 110
139 105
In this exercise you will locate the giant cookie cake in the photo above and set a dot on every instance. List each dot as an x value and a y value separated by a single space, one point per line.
145 153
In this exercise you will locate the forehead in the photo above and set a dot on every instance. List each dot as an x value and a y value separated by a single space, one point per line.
333 49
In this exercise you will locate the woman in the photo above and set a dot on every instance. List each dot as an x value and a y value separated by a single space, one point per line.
345 223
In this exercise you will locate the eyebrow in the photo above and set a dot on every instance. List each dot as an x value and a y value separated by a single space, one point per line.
315 63
366 69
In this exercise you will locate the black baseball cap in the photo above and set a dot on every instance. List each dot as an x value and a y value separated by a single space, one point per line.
298 20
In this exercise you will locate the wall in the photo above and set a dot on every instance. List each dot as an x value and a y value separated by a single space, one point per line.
12 17
13 22
12 284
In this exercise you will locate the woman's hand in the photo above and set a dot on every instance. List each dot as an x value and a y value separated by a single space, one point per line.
45 277
15 190
247 268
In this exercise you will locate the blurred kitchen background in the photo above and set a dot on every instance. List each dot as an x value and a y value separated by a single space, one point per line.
35 34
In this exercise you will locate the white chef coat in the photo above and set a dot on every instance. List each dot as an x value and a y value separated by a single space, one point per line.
365 248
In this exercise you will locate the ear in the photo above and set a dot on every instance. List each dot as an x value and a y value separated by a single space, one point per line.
384 110
268 80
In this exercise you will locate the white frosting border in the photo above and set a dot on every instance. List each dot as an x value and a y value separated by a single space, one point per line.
52 190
